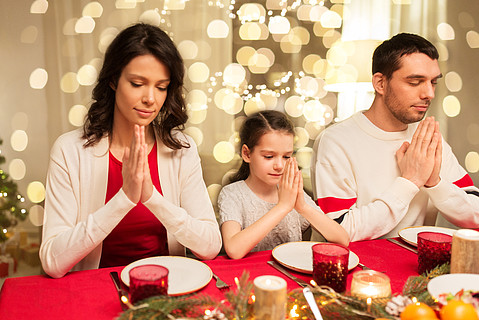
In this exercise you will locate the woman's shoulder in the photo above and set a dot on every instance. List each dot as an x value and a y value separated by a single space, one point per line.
71 139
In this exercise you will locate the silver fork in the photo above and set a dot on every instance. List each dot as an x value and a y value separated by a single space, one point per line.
220 284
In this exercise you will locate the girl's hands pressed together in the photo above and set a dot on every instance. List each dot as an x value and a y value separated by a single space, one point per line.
288 185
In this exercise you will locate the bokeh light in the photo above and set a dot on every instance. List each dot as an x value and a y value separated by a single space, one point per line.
301 138
217 29
196 134
213 192
76 115
198 72
254 105
19 140
39 7
188 49
223 152
234 74
453 81
93 9
472 162
87 75
152 17
85 25
35 215
38 78
472 38
36 191
293 106
17 169
197 100
69 82
303 156
451 106
445 31
279 25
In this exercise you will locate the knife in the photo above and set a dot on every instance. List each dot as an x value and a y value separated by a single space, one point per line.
299 281
402 245
122 294
312 303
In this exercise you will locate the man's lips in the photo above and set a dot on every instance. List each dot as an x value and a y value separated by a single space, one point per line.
421 107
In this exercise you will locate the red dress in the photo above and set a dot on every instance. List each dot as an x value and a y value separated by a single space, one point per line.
139 234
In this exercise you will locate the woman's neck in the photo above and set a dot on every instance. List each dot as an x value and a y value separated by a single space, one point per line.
121 138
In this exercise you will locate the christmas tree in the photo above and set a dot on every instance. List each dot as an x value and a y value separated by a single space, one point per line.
10 201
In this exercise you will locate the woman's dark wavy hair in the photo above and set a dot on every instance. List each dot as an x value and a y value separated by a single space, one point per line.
254 127
387 56
137 40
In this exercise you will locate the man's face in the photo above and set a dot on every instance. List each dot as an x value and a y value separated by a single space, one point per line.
409 91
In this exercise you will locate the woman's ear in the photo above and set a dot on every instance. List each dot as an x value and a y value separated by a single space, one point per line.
246 153
112 85
379 82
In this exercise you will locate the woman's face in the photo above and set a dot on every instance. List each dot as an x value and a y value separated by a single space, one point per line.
141 91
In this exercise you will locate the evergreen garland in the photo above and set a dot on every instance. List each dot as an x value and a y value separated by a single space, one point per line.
239 303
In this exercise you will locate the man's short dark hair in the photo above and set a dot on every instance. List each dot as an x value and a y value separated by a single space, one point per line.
387 56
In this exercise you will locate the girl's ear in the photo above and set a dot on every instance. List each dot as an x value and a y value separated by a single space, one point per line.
379 82
245 153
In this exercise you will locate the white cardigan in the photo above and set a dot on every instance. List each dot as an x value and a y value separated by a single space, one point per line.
77 219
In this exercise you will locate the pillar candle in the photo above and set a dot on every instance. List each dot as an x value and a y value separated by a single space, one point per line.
465 251
270 298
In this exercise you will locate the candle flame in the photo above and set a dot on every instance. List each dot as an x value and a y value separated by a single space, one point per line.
253 298
293 312
369 300
313 283
414 300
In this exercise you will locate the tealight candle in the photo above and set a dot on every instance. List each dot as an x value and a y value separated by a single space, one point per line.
270 298
370 284
465 251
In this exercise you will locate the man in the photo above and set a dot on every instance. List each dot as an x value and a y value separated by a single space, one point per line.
384 169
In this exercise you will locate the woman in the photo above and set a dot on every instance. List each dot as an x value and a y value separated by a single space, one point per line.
129 184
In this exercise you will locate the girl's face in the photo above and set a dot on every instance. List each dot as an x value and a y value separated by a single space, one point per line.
141 91
268 158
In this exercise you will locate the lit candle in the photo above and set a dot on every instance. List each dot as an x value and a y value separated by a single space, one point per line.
270 298
370 284
465 251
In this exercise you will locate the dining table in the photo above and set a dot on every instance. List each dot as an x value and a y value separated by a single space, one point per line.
91 294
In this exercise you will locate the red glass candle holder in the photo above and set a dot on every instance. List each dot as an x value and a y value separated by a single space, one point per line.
330 265
147 281
433 249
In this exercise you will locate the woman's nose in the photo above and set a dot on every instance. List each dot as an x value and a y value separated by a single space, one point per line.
148 97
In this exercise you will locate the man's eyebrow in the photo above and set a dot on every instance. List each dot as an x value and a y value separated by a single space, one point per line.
420 76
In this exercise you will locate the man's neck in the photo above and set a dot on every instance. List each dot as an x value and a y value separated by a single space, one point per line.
382 118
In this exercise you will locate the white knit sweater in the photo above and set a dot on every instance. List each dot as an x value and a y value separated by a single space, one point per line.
355 176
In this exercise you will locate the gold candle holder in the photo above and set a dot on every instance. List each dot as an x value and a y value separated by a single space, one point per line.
370 284
465 251
270 298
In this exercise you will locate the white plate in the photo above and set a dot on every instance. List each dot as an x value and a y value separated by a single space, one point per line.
185 275
452 283
298 256
409 234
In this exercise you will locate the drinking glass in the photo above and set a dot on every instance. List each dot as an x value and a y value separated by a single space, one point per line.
433 249
147 281
330 265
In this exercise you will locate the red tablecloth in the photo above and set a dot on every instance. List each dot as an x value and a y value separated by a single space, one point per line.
91 294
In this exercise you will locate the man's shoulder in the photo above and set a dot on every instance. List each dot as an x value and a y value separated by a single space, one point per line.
340 129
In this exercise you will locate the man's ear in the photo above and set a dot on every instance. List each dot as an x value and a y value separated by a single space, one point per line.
245 153
379 82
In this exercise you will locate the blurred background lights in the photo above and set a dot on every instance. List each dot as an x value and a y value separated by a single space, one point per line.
93 9
106 37
307 86
244 54
196 134
19 140
29 35
234 74
197 116
254 105
19 121
218 29
38 78
443 51
317 112
127 4
472 162
85 25
301 138
87 75
303 155
196 100
76 115
314 129
174 4
69 82
466 20
35 214
330 19
250 31
232 103
445 31
453 81
223 152
17 169
303 12
188 49
451 106
293 106
151 17
472 38
198 72
36 191
316 12
251 12
213 191
39 7
279 25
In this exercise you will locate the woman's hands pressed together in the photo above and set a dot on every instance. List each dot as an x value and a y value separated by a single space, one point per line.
137 183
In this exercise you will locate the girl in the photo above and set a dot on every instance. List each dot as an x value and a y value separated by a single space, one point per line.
129 185
266 204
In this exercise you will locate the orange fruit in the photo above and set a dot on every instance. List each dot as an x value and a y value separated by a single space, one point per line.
458 310
418 311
